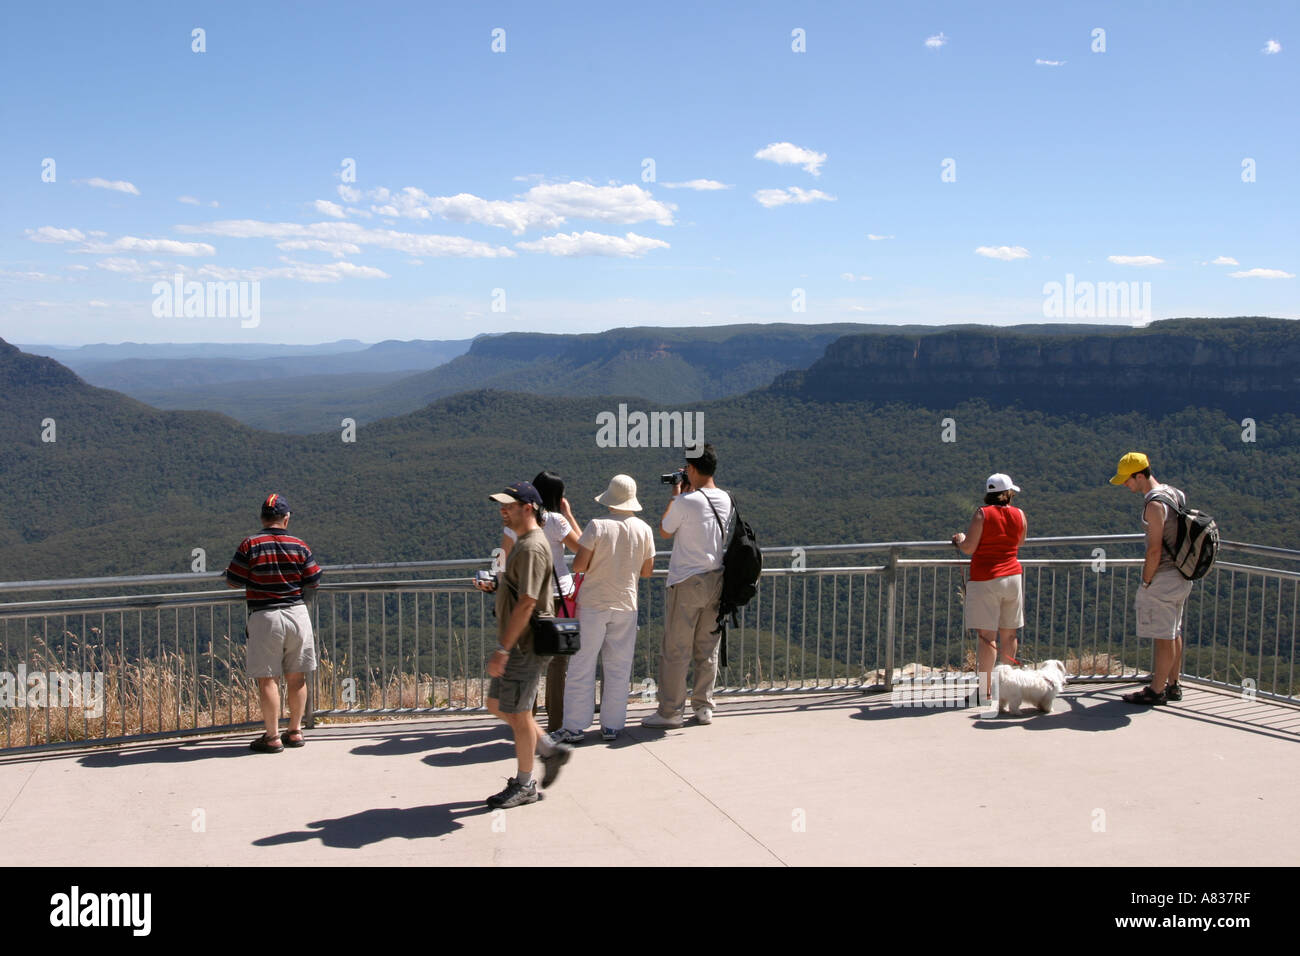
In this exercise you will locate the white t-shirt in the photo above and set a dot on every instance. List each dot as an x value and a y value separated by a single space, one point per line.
556 530
620 544
698 541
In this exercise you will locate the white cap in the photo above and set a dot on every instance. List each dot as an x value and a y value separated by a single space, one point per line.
620 495
1000 482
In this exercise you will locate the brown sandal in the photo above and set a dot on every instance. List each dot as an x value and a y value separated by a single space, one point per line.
286 738
262 745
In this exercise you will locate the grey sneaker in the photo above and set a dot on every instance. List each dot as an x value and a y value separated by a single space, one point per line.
552 762
660 723
566 736
514 795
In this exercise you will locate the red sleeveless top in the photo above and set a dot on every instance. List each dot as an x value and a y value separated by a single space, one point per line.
999 541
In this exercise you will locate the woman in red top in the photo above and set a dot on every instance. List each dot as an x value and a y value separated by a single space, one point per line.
995 594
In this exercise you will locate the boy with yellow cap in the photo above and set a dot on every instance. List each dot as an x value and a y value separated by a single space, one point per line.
1162 597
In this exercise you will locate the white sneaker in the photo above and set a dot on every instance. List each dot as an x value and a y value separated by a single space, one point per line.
704 715
654 720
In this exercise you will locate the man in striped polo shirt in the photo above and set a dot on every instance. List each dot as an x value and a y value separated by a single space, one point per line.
273 567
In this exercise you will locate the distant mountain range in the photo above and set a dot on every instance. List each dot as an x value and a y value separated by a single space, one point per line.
310 393
126 488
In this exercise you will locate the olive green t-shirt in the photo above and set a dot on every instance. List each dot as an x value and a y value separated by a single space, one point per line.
528 571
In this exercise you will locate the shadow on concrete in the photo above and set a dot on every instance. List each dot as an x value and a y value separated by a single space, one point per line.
170 753
403 742
373 826
1102 716
487 753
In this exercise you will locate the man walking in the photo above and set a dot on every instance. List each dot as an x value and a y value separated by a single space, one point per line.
273 567
1162 597
527 586
697 518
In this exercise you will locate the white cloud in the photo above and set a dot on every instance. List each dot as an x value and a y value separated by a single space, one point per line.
1262 274
593 244
328 208
79 268
1135 260
936 41
54 234
349 193
1005 253
700 185
98 304
543 206
1041 62
299 271
788 154
1272 46
874 238
410 243
188 200
854 278
119 185
166 247
1225 261
781 197
122 265
336 249
30 276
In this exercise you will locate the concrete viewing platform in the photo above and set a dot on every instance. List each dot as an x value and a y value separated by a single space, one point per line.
840 779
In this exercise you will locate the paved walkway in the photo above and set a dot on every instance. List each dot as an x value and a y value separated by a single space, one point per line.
816 780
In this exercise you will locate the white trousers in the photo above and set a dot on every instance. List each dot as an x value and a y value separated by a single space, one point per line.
611 634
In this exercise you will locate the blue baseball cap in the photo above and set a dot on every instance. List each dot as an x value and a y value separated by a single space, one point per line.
522 491
275 504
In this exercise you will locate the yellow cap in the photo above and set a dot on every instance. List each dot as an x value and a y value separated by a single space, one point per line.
1131 463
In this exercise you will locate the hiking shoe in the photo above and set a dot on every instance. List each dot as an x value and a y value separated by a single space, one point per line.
609 733
565 736
704 715
1173 692
655 720
514 795
552 762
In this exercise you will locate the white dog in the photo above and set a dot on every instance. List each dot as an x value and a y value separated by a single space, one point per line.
1038 687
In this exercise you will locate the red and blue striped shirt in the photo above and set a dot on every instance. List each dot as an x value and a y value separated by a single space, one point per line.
273 567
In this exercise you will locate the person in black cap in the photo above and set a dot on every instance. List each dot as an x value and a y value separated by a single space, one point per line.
273 567
526 587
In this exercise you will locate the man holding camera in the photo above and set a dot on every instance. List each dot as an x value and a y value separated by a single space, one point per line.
697 518
527 585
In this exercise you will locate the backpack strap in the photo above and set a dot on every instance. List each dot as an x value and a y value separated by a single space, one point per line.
735 513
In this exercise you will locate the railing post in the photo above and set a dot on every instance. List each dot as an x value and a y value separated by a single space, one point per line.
891 584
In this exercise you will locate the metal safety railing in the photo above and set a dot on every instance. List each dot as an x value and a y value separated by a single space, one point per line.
414 637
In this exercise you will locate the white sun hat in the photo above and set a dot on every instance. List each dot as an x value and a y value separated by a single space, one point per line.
620 495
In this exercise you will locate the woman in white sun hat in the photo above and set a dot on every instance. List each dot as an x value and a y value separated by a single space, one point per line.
615 550
995 593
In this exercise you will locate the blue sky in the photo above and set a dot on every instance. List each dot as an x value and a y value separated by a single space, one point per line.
523 170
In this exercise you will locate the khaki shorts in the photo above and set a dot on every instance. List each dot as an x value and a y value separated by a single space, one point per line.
1160 607
516 689
995 604
280 642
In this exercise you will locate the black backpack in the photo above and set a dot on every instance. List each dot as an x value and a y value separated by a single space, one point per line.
742 563
1197 541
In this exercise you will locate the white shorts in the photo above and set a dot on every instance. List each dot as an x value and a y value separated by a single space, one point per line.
280 642
1160 607
999 603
